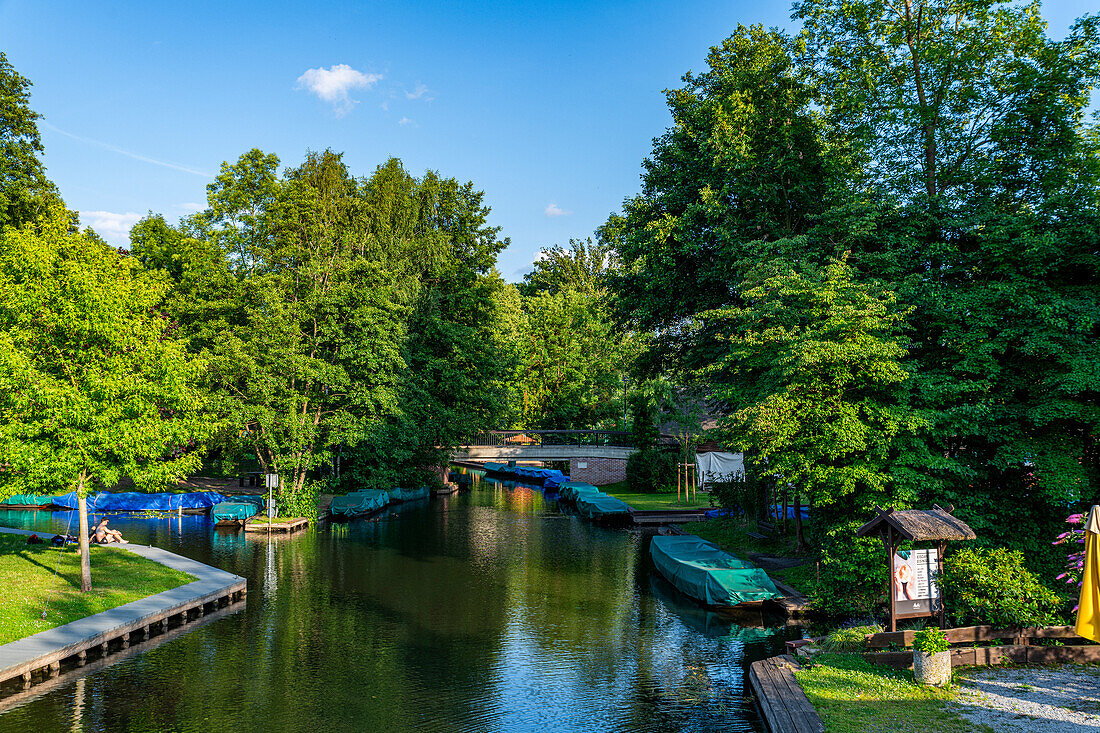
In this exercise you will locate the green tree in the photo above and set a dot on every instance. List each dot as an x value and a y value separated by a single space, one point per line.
25 192
583 266
93 385
813 374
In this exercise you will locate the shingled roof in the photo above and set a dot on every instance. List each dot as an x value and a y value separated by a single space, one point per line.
934 524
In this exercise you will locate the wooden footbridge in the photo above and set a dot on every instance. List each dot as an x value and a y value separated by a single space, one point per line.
546 445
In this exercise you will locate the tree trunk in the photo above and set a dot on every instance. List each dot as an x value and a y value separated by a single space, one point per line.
800 539
85 559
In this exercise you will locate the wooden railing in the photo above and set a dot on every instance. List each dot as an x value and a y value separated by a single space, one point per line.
519 438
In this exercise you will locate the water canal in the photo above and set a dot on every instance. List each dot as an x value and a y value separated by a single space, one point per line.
485 611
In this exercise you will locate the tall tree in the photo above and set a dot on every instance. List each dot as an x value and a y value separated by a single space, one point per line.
25 192
93 384
583 266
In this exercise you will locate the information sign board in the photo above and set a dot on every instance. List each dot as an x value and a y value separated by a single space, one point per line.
915 592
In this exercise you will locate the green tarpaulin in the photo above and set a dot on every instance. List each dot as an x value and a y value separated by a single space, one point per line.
363 501
601 506
28 500
233 510
398 494
570 490
713 577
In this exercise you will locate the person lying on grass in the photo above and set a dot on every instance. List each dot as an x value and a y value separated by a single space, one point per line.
104 536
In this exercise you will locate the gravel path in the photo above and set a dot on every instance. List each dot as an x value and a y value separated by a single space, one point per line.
1038 700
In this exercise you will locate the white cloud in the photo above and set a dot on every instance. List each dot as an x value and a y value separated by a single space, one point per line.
406 121
115 228
191 207
333 84
553 210
421 92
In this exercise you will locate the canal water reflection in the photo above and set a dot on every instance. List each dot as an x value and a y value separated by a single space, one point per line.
488 610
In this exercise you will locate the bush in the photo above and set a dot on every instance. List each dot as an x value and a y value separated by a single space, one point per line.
992 586
930 641
853 573
852 639
738 491
650 470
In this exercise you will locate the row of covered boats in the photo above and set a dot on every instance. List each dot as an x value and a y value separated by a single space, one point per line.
369 501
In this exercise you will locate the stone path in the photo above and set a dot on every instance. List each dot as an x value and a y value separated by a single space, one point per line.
49 647
1033 699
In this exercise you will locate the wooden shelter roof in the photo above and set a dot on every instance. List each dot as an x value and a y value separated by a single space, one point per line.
934 524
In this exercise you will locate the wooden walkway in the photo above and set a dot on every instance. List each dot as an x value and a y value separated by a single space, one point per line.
45 651
667 516
783 705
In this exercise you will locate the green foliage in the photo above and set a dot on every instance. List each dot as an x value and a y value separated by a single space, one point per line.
651 470
583 267
851 639
993 586
852 574
25 192
813 368
931 641
94 385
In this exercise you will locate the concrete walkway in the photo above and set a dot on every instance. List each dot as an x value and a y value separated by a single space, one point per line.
48 648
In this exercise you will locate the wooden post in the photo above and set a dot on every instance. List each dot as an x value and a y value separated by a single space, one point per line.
939 571
888 538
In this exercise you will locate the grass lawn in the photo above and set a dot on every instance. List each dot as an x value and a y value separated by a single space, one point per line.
27 577
662 500
854 696
731 534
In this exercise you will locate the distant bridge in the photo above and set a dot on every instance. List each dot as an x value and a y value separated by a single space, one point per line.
546 445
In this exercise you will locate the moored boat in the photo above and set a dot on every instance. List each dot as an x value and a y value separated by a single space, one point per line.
401 495
236 510
601 507
713 577
571 490
358 503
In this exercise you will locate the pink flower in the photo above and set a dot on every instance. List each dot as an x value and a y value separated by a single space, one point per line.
1075 518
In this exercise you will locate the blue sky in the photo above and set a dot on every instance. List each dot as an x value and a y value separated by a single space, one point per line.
548 107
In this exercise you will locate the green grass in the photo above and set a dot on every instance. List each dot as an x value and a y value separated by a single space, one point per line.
27 579
854 696
731 534
660 500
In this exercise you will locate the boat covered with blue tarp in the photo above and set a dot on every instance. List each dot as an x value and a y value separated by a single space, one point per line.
708 574
359 503
26 500
133 501
528 474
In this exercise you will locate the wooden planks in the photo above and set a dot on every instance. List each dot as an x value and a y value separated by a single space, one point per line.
992 656
262 526
783 704
973 635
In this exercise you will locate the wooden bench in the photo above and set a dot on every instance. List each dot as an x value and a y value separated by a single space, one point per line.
765 530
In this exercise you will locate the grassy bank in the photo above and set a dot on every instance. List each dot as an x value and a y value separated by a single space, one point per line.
660 500
853 696
27 577
731 534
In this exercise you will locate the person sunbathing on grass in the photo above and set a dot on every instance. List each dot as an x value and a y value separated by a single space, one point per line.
104 536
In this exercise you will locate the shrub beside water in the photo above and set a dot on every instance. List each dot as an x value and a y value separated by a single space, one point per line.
991 586
853 573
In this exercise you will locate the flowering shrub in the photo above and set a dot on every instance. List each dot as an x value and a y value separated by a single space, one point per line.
931 641
992 586
1074 538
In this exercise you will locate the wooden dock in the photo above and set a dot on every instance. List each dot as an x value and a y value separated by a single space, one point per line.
783 705
42 654
643 517
281 527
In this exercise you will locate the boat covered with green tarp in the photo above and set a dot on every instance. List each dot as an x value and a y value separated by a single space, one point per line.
358 503
399 494
701 570
571 490
26 500
234 511
600 506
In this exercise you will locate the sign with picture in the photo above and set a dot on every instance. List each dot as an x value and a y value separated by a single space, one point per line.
915 592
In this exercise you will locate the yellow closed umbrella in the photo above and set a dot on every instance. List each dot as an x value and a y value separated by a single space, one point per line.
1088 608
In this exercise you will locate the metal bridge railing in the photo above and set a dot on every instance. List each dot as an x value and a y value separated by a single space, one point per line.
520 438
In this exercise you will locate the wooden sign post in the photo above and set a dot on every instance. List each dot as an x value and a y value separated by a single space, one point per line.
911 587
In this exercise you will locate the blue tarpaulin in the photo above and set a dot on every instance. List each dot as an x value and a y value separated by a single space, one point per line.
132 501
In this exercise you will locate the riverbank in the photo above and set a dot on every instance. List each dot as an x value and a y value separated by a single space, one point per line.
655 501
31 585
